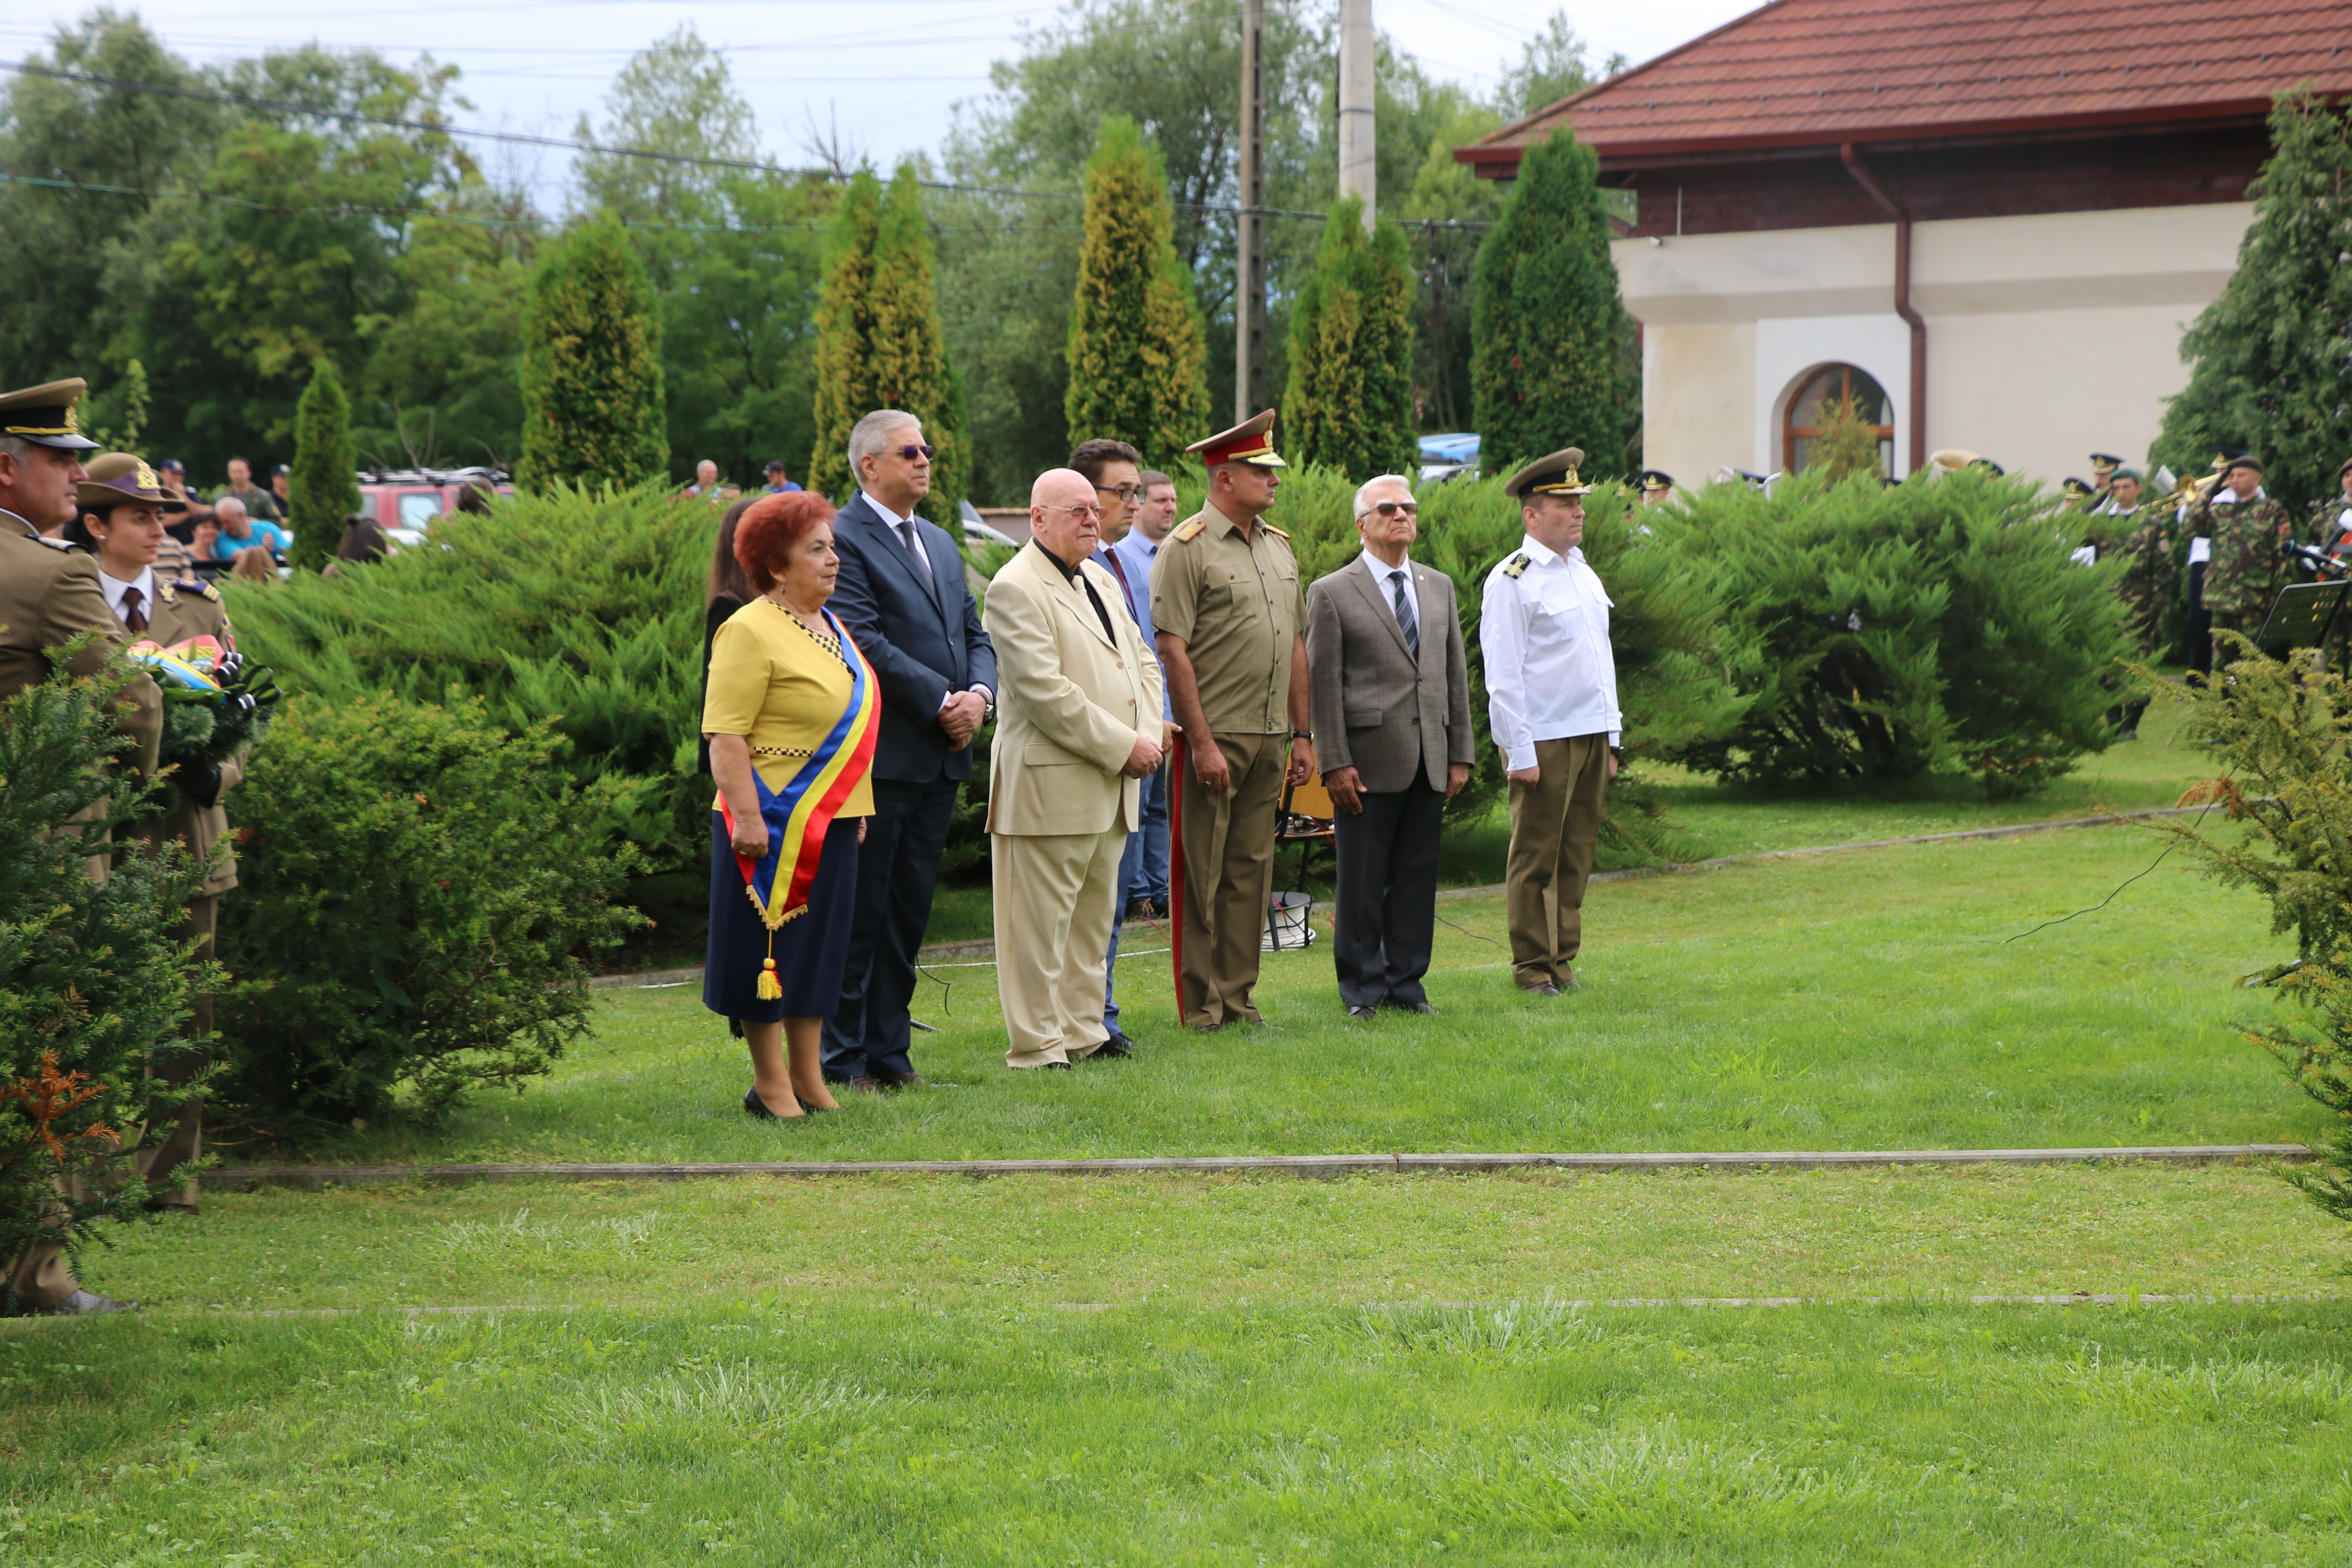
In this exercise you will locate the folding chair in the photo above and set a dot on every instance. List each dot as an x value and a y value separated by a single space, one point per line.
1305 820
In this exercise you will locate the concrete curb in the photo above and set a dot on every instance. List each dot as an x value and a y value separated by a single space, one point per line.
317 1176
942 953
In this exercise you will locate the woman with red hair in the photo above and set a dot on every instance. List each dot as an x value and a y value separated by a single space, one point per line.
792 713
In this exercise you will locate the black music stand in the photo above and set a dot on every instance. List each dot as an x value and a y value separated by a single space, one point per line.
2301 616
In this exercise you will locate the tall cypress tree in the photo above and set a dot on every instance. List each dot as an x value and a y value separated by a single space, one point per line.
325 487
879 343
845 324
2271 357
1552 360
592 371
1350 403
1138 354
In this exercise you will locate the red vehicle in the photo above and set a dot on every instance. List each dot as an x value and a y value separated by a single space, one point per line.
407 502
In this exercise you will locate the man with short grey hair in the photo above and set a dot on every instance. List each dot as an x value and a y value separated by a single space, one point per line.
1390 695
902 596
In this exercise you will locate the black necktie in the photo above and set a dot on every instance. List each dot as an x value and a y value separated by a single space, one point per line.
1403 607
133 617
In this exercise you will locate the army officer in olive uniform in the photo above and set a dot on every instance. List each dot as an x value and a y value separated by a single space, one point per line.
123 507
1230 619
48 596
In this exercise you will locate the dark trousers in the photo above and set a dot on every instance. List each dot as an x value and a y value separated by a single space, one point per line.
897 867
1386 907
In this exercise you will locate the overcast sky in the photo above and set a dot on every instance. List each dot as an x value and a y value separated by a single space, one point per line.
889 71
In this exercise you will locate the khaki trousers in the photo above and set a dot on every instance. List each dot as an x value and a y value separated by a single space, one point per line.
1555 828
185 1141
1223 859
1056 896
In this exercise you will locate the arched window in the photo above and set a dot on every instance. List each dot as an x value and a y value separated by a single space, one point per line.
1821 392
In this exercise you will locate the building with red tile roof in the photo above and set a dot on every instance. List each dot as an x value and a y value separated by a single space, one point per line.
1988 219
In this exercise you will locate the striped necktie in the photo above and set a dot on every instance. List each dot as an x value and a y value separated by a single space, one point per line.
1405 620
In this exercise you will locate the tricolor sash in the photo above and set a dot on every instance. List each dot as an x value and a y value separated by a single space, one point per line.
799 816
188 665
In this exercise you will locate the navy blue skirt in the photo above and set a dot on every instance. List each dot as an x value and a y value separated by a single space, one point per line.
812 951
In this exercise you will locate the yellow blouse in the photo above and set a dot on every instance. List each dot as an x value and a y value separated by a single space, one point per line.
774 683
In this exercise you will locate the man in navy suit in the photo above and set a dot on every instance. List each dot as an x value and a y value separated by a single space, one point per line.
903 597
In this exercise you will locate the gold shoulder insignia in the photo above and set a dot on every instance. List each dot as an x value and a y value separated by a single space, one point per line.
1517 564
164 591
206 589
1190 529
1283 534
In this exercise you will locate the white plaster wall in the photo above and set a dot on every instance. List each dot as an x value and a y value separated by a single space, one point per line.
2048 336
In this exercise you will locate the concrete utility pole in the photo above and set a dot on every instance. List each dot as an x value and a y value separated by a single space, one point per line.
1358 167
1249 229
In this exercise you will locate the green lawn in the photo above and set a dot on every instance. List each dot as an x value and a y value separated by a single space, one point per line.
1204 1371
1865 1000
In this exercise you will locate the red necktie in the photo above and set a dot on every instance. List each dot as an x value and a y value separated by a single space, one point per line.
132 615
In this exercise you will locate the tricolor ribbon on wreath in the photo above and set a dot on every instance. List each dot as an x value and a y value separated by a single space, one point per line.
801 813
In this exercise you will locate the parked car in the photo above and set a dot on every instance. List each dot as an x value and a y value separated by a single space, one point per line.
407 502
1448 457
976 529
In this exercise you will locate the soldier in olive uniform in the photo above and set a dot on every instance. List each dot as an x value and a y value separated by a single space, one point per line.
2331 517
2150 586
2248 532
123 507
1230 618
49 594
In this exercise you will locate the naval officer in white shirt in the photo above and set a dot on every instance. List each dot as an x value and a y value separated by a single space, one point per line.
1551 704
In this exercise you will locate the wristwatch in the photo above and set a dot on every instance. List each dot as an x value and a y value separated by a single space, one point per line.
1302 734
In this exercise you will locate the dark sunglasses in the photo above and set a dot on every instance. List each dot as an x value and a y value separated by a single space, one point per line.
918 450
1390 507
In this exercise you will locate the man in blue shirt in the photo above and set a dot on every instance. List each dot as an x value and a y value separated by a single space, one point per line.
1114 468
1153 515
240 532
778 484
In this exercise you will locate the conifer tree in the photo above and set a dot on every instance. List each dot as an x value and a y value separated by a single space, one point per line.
2271 357
325 487
591 371
1349 402
1552 362
845 312
1848 444
1138 357
879 343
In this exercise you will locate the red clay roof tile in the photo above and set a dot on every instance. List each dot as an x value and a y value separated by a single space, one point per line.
1805 72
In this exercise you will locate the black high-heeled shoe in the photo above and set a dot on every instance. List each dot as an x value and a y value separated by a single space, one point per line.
759 1107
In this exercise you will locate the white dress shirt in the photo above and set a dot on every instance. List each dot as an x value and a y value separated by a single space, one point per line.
904 526
1380 571
1545 638
116 591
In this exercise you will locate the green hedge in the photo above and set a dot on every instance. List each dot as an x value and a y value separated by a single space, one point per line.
1926 627
420 895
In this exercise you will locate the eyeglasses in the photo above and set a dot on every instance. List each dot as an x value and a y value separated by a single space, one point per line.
1390 507
922 449
1095 511
1124 492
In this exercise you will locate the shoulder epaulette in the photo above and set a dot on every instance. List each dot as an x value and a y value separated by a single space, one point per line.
68 545
201 588
1189 530
1517 564
1277 532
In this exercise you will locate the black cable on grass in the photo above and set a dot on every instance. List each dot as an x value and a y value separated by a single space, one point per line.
1472 935
2127 882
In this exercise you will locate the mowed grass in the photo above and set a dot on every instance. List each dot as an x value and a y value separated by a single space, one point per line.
1185 1371
1865 1000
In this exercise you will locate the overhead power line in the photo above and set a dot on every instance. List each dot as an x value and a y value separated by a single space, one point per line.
565 144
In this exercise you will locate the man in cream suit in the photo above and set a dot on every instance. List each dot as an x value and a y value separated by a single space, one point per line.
1077 723
1390 693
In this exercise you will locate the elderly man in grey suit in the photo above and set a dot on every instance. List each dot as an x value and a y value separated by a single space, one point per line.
1390 703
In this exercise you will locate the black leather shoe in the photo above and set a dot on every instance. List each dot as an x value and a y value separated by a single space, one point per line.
862 1084
1057 1067
902 1079
759 1107
1363 1011
1546 989
1118 1045
1413 1007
